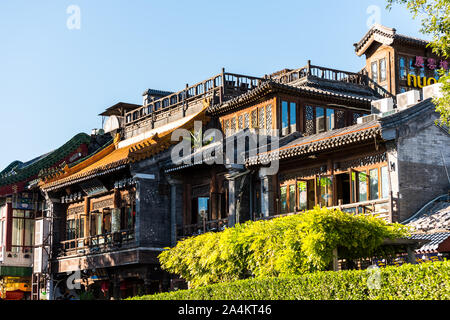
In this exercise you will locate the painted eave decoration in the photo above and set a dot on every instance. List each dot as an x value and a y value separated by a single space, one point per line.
118 155
17 174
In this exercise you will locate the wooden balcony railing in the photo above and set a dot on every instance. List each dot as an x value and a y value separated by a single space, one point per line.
96 244
218 88
379 208
360 78
202 227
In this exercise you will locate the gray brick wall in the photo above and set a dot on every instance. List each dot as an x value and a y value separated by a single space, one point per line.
153 223
421 172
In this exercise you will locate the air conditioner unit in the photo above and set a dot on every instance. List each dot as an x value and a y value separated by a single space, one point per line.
382 105
433 91
408 99
370 117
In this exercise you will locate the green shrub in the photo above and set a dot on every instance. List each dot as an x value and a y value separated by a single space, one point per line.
429 281
281 247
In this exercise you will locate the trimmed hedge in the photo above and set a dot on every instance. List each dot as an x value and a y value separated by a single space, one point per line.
429 281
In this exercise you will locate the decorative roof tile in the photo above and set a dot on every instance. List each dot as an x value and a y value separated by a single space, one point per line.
113 158
386 36
270 86
20 172
321 142
436 240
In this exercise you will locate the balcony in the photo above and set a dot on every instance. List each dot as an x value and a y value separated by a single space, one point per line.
219 88
360 78
201 228
97 244
377 208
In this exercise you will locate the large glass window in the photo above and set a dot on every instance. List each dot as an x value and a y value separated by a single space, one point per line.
71 229
411 68
96 224
17 234
383 70
81 230
320 119
203 209
362 186
330 119
293 116
22 230
127 218
292 198
375 71
107 221
402 67
325 191
302 195
374 181
284 114
283 200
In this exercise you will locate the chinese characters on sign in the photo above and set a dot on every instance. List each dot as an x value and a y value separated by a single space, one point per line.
430 63
433 64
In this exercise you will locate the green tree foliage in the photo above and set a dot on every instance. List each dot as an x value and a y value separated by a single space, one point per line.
428 281
435 15
286 246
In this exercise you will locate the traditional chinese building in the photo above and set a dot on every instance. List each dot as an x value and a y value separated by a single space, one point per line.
397 62
109 214
336 138
373 167
20 204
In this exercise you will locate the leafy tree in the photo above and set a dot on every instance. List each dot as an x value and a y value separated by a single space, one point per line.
287 246
435 15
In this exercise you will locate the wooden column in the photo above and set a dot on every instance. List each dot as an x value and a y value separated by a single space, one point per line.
9 225
87 222
213 195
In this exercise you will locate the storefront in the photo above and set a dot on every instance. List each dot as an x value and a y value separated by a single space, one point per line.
15 283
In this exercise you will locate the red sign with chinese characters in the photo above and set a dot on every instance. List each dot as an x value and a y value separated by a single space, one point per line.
431 63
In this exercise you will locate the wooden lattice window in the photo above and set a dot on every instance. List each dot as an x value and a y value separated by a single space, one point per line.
226 126
355 117
233 124
246 121
261 118
340 119
309 119
269 117
255 118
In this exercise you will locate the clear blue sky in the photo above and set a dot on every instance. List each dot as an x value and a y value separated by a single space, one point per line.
55 81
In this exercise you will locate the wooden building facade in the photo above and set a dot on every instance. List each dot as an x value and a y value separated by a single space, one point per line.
110 214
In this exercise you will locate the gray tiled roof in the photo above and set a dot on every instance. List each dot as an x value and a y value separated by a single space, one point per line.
435 240
386 36
307 90
436 217
337 87
322 141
